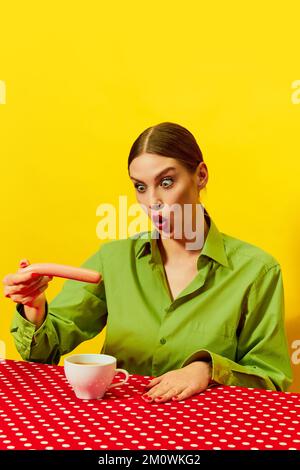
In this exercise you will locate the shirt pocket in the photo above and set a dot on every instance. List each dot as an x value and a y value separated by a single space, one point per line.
219 338
222 329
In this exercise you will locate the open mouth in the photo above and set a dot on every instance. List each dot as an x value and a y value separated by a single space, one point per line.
159 220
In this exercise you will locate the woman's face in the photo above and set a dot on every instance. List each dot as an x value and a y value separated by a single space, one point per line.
158 179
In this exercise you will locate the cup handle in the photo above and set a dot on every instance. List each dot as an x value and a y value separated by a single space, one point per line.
122 381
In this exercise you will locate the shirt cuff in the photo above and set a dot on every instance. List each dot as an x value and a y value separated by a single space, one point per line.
220 370
227 372
24 332
219 374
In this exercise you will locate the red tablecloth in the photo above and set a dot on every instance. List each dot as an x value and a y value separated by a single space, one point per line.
39 410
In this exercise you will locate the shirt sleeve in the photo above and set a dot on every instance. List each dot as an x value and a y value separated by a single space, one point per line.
76 314
262 356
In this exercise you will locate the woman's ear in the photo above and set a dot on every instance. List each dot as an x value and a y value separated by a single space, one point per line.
201 175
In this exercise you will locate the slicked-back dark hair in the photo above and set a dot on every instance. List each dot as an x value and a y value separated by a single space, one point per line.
168 139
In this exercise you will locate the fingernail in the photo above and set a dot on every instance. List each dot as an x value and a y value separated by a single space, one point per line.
175 397
148 398
158 398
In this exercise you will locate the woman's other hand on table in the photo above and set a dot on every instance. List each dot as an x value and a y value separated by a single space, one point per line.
179 384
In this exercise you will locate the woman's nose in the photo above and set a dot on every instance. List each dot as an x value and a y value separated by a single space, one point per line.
157 206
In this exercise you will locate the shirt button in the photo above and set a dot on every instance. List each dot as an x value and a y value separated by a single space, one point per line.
163 341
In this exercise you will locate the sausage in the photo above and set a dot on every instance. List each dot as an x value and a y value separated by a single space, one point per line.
62 270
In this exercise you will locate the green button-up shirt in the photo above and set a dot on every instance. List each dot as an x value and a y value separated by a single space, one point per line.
231 313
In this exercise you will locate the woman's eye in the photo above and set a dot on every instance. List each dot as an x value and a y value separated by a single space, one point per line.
139 187
168 181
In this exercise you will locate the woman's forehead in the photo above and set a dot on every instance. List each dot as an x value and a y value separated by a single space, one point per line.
152 166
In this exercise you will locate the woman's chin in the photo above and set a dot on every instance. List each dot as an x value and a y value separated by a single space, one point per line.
166 231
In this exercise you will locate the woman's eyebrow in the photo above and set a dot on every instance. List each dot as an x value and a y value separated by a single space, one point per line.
169 168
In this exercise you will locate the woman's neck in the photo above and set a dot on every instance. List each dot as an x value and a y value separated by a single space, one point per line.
174 250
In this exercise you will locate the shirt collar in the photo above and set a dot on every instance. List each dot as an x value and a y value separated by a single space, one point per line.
213 246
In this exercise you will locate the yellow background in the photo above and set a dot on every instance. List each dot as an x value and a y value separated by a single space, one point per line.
83 79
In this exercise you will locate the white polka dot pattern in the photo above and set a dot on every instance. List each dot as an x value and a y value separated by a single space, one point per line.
39 411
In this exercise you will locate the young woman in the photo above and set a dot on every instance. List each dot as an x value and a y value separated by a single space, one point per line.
188 315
